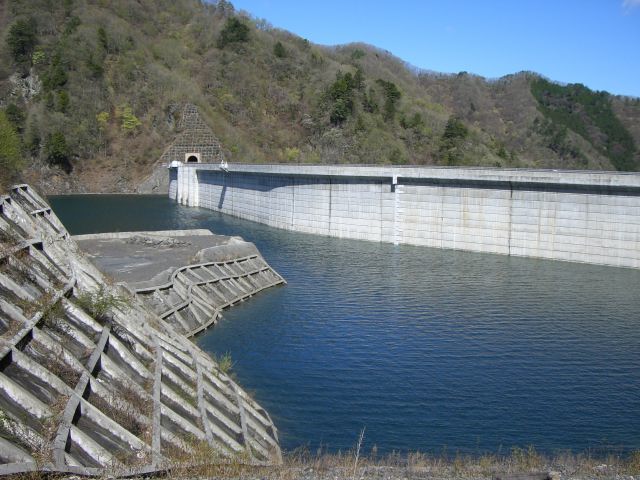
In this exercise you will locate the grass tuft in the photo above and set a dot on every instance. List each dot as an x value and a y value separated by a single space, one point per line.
101 302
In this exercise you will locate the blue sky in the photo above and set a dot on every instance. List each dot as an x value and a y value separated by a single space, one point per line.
595 42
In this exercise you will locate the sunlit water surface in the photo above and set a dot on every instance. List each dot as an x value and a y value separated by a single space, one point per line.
430 350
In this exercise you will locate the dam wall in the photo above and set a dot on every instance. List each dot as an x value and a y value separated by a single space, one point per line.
590 217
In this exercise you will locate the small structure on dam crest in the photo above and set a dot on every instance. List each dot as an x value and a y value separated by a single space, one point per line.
92 381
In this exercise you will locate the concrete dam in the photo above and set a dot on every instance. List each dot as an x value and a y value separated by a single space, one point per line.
577 216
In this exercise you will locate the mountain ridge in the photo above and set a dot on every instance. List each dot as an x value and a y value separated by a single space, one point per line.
94 97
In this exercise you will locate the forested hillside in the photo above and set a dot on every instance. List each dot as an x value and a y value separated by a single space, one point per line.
91 91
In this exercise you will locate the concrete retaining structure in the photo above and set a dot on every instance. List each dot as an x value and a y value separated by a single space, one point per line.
590 217
104 391
187 277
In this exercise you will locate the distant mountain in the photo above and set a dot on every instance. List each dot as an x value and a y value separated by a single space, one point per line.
91 91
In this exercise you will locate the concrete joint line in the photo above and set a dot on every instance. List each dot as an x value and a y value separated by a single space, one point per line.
200 392
243 423
214 319
60 442
156 446
59 445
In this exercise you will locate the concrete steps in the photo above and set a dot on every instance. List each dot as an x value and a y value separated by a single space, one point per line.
196 294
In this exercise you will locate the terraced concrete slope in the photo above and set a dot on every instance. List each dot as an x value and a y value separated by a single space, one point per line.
91 380
196 294
187 277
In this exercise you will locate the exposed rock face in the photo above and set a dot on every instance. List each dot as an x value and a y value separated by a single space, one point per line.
25 87
91 380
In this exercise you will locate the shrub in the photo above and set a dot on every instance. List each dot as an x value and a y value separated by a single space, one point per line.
225 363
357 54
341 93
454 133
455 129
58 152
63 101
22 40
56 76
101 302
415 122
279 50
38 57
129 121
291 154
234 31
392 96
103 119
341 111
10 158
15 115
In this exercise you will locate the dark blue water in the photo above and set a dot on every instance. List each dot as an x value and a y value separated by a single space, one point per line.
427 349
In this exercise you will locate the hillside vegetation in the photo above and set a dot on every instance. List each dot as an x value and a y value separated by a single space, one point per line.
91 92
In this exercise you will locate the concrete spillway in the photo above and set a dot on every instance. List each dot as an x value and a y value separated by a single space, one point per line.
92 381
591 217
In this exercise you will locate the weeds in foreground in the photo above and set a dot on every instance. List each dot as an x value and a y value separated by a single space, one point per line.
225 362
357 455
524 461
42 304
197 458
101 302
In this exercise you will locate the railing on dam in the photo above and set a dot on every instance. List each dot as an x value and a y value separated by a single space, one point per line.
580 216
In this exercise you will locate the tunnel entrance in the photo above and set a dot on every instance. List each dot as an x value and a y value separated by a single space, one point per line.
192 158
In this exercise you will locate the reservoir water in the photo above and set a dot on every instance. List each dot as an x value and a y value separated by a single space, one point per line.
430 350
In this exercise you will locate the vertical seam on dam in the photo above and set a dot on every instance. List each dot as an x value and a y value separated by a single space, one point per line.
293 201
330 203
510 217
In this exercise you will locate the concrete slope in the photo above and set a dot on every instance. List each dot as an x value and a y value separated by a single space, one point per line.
91 380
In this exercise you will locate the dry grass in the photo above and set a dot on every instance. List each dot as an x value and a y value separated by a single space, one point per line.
199 460
302 464
127 408
56 364
42 304
43 453
8 241
12 328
